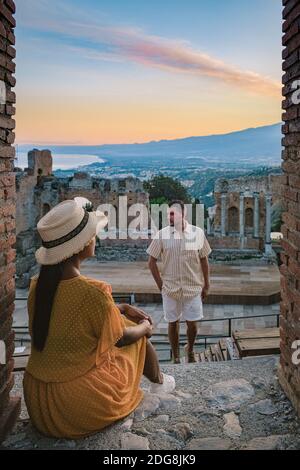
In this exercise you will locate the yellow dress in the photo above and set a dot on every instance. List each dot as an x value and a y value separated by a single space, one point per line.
81 382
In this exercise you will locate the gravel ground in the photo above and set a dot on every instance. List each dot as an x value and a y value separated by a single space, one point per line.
228 405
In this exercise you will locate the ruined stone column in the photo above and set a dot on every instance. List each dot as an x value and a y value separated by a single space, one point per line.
256 215
208 226
268 245
223 214
242 220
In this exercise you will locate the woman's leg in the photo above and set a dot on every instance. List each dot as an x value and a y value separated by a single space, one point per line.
151 367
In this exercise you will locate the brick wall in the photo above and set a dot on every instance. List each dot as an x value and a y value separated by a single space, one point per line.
289 371
9 407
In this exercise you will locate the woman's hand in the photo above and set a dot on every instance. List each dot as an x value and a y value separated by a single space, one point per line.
132 334
148 326
135 314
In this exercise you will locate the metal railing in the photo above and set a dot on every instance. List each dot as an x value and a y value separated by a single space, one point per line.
126 298
23 330
202 340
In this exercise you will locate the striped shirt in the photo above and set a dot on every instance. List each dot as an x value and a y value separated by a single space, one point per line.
180 254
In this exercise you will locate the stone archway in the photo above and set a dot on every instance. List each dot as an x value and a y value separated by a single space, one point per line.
249 218
289 374
233 219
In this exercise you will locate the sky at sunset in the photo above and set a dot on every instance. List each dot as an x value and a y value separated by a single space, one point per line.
124 71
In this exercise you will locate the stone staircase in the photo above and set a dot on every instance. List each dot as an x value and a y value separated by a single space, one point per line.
224 350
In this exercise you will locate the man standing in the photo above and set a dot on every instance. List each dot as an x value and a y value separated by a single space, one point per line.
184 278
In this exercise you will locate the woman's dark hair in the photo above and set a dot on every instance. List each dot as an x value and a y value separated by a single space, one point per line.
47 284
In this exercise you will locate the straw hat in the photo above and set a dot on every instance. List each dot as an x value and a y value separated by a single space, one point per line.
66 230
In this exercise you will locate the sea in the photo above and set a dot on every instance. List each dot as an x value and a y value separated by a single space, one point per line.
61 161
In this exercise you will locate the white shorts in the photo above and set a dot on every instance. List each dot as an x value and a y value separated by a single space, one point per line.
185 309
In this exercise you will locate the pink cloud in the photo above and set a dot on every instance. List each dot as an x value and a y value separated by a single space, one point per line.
151 51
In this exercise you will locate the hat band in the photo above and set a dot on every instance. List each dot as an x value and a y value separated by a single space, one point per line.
70 235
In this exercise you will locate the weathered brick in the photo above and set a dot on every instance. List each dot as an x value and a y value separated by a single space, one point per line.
10 226
11 5
8 15
10 79
11 38
7 272
9 409
6 123
7 179
289 249
11 66
291 60
10 256
293 30
291 139
291 113
10 110
291 17
291 194
7 209
6 165
10 137
294 238
290 221
2 30
10 98
293 45
11 51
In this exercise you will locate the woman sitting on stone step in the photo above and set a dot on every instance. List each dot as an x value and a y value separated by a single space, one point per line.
88 354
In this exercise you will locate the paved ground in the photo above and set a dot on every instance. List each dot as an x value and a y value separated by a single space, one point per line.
232 405
238 281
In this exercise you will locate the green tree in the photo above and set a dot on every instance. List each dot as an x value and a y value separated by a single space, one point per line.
277 211
163 189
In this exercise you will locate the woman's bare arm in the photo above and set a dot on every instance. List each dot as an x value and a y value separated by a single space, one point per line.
133 333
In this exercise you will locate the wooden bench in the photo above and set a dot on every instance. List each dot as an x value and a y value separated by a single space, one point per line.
257 342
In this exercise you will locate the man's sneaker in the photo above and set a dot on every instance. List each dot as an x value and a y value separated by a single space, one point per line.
168 385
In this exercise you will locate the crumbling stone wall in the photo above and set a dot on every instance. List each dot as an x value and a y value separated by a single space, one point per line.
227 195
38 190
289 372
9 407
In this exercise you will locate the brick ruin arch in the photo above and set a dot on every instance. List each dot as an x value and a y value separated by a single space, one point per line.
233 219
9 407
249 217
289 372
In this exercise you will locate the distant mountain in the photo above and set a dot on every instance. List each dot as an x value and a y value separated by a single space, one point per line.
251 143
256 145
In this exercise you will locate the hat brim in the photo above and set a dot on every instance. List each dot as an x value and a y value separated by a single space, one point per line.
49 256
